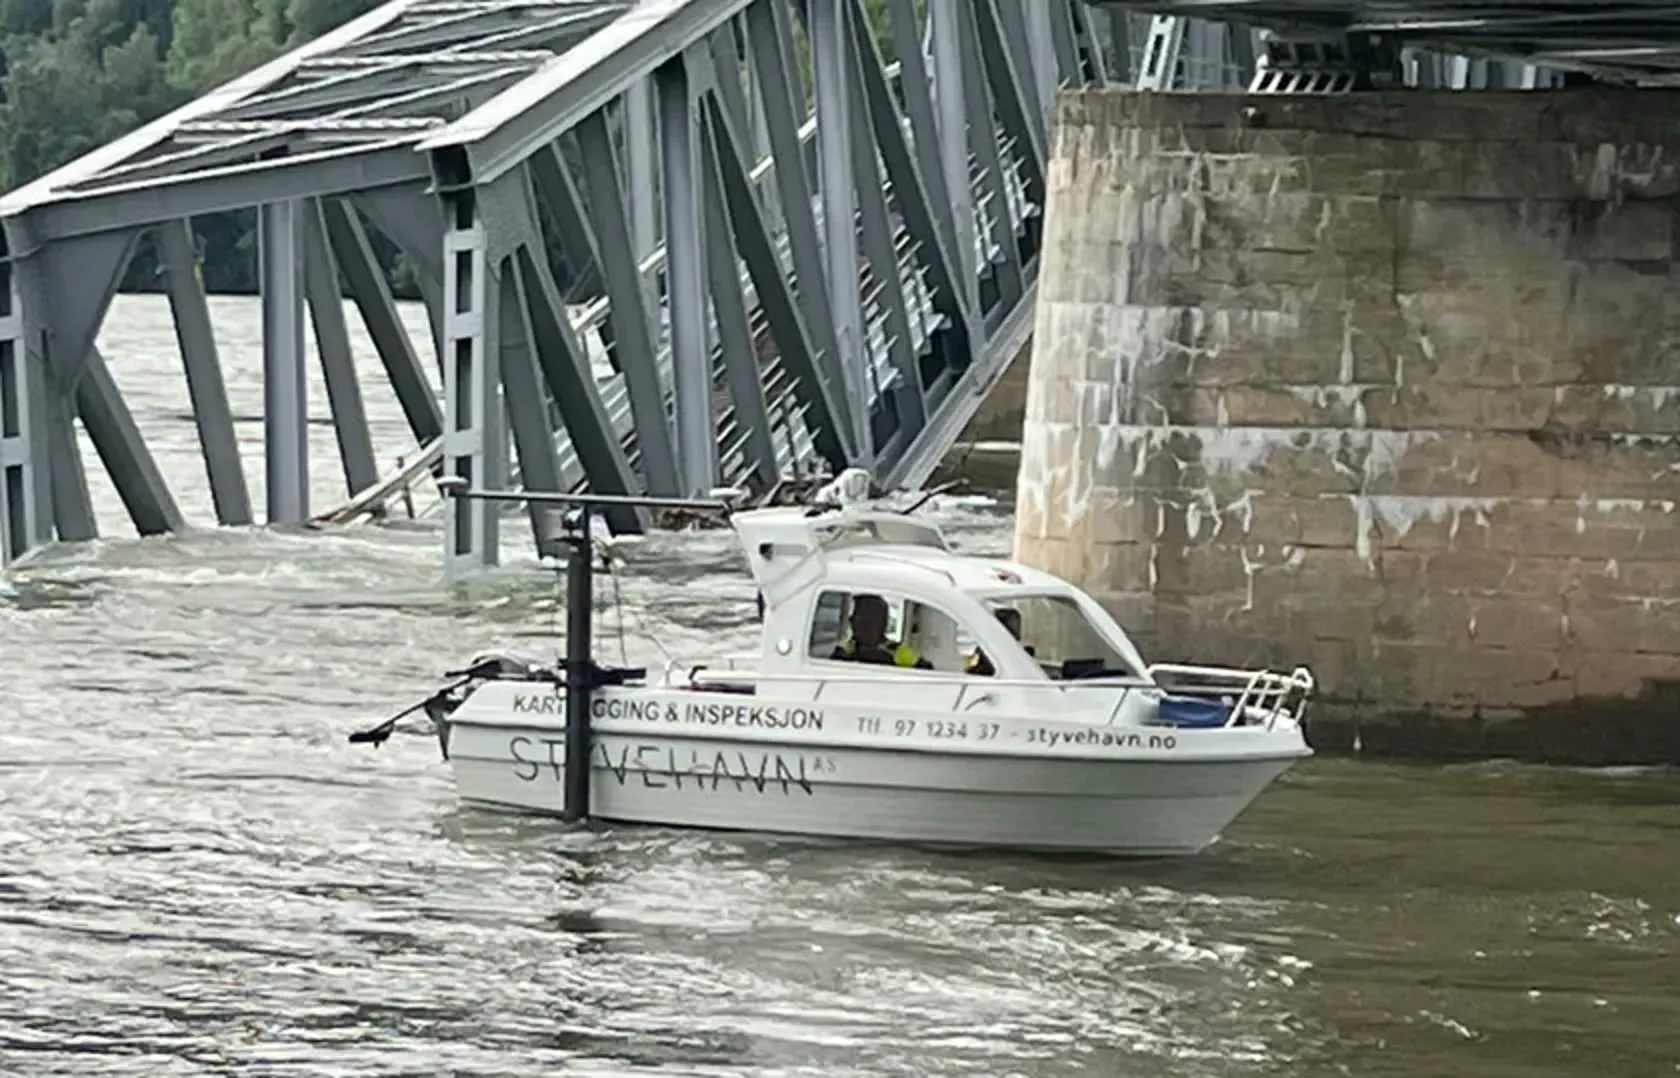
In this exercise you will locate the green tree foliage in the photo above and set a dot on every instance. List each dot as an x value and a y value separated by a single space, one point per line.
78 74
218 40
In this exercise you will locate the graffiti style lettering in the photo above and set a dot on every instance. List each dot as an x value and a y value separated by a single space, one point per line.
529 762
660 767
753 715
551 703
1038 735
517 747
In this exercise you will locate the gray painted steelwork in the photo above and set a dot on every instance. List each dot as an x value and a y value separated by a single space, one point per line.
285 382
655 256
1529 40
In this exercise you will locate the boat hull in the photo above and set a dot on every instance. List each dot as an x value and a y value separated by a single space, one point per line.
1135 807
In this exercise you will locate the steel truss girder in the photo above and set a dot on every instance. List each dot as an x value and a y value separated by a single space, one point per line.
715 141
324 295
880 251
372 296
764 272
385 79
1632 42
771 43
785 317
876 113
507 130
440 33
734 327
634 341
317 175
206 387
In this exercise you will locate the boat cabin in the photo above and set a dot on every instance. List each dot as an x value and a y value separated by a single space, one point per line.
869 593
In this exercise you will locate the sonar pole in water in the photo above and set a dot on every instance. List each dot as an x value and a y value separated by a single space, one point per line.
583 676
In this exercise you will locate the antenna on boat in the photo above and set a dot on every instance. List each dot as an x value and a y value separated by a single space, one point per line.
577 527
929 495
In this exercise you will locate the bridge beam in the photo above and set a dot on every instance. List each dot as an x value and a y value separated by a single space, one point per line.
372 295
510 335
685 281
826 29
280 257
571 381
116 439
63 292
909 395
473 439
25 501
770 38
134 203
325 299
616 230
815 295
206 388
735 337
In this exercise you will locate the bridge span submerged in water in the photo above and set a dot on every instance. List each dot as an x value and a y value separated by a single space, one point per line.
662 245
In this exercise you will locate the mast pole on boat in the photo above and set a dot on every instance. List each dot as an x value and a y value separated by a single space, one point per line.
580 662
583 676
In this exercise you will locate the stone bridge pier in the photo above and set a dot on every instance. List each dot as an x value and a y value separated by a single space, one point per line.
1385 383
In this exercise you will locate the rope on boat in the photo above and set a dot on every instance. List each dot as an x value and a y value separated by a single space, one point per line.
378 735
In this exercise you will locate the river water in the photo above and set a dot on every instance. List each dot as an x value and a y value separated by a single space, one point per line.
198 876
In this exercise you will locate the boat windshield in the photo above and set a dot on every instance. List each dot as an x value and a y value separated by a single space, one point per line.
879 529
1066 643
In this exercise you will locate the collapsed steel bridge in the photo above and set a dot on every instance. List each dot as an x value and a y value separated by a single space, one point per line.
662 246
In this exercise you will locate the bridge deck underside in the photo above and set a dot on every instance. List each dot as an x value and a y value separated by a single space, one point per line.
662 246
1635 41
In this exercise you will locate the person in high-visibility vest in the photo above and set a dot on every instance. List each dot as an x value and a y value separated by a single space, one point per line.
981 666
868 642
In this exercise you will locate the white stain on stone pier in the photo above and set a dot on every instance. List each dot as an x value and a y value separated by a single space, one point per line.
1353 390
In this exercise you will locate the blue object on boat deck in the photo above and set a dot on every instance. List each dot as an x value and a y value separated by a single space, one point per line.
1193 712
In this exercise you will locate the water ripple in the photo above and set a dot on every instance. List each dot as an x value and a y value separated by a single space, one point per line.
200 877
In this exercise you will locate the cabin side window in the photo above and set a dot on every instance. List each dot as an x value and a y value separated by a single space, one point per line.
828 623
883 630
1064 642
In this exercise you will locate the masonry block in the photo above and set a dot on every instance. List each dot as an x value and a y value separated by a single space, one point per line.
1386 383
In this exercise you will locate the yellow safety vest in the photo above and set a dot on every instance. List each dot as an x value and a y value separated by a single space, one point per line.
902 654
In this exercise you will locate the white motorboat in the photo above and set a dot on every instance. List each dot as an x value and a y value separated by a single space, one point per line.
1063 739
